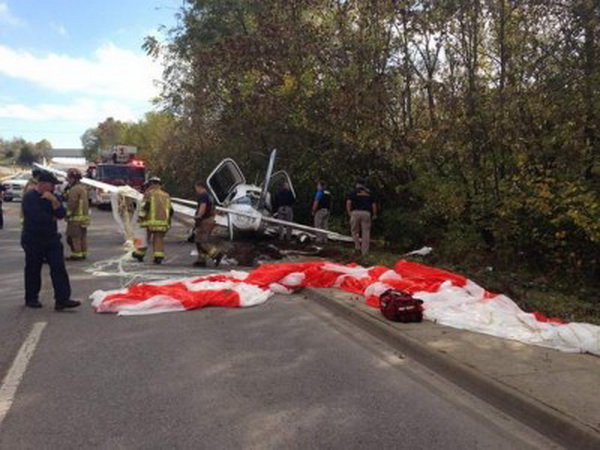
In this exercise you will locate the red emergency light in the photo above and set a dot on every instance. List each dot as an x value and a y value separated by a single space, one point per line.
137 163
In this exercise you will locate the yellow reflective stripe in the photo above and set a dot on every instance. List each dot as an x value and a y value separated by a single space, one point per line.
152 209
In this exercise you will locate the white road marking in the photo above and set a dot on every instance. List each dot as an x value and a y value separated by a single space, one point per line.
13 378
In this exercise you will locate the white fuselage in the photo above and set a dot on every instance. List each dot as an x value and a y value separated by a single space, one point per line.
245 198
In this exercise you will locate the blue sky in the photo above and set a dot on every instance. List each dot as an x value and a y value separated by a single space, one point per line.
66 65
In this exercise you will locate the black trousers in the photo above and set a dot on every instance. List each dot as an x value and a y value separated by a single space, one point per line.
1 217
36 253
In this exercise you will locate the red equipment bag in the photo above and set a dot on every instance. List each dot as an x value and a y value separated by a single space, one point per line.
399 306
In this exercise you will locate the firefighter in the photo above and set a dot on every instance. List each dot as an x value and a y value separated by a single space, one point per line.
78 217
155 216
205 223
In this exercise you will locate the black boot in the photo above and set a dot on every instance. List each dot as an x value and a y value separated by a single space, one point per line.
158 260
34 305
74 258
66 304
138 256
218 259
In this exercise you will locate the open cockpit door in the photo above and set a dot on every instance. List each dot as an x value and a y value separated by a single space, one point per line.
277 180
276 183
226 176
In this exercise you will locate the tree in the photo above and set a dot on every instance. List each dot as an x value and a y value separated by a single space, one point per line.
104 136
27 155
478 119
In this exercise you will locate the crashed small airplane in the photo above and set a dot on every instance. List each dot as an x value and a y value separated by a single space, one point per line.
240 206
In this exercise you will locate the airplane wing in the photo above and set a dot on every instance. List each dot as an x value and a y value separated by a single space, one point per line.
89 181
123 190
188 208
271 221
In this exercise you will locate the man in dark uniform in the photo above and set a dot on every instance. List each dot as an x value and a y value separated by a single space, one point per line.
41 242
362 209
1 212
284 204
320 210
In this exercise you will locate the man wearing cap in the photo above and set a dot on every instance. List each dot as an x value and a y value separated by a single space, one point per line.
362 209
284 205
155 215
78 216
41 242
205 223
31 184
2 188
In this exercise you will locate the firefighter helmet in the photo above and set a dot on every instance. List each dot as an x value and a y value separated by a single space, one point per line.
74 174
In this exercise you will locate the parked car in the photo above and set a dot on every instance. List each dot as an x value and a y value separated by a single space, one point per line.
13 186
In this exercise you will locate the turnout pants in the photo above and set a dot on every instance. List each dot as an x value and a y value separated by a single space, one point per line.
285 213
35 254
360 225
204 242
322 222
157 240
77 239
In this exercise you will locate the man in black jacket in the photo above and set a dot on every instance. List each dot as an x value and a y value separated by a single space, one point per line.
362 209
1 211
41 242
284 205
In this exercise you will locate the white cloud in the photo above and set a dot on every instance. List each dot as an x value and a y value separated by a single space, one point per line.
60 29
84 111
111 72
7 17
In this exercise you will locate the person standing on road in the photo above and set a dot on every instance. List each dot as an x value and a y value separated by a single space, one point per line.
41 241
205 223
362 209
320 210
284 202
78 216
155 215
32 182
30 185
2 188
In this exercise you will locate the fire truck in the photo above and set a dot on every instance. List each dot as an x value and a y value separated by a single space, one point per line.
118 166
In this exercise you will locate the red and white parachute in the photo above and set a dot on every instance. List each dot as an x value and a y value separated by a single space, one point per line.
449 299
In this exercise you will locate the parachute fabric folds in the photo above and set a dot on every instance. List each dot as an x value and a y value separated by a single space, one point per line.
449 299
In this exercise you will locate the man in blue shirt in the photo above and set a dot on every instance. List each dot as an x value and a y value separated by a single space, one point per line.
320 210
41 241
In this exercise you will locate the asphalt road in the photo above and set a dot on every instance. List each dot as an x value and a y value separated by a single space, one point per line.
286 374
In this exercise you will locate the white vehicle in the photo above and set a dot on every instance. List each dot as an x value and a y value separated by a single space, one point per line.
13 186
